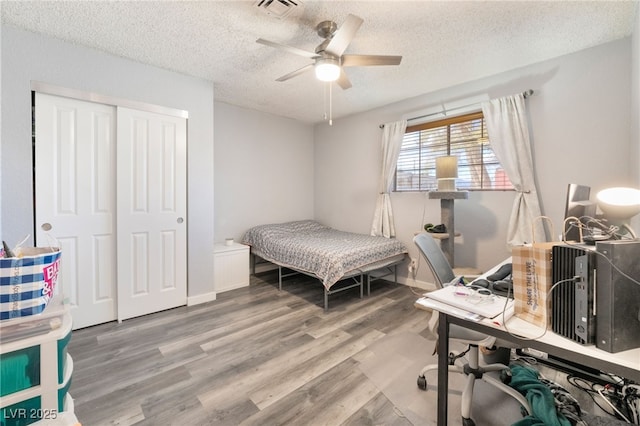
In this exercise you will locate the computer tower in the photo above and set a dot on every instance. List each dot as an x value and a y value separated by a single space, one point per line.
618 295
572 301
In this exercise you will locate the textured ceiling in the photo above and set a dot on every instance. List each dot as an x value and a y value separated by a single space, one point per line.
443 43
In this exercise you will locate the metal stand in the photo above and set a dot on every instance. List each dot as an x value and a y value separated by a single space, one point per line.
446 212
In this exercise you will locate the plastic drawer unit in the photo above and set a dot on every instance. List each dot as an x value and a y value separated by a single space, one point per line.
35 367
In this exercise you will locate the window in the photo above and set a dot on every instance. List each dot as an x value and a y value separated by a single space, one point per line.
465 137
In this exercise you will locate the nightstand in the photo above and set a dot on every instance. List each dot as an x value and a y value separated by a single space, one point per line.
231 266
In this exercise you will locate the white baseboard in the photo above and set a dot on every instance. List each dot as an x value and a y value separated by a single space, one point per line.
423 285
201 298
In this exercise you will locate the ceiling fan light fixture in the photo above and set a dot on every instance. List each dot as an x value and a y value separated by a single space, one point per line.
327 69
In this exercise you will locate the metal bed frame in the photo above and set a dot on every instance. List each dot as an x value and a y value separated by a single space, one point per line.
375 271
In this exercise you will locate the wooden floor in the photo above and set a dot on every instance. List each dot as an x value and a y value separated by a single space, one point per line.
259 356
254 356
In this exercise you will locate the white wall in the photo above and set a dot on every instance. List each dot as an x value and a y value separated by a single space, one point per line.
263 170
580 122
635 96
634 158
0 124
27 56
270 169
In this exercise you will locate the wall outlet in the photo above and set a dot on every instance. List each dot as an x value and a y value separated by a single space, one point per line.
413 268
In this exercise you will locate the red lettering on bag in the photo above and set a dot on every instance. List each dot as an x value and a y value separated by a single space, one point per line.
50 274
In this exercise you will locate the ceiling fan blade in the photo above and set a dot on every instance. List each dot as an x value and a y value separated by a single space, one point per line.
369 60
289 49
344 35
295 73
343 80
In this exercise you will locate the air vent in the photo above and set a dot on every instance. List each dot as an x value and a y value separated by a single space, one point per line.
277 8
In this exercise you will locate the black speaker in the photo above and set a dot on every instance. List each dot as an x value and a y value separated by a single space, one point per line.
618 295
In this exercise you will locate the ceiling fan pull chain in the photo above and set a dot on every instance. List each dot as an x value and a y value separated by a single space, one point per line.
324 102
330 106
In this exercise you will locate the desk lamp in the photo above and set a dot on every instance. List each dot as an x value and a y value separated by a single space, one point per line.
619 205
447 172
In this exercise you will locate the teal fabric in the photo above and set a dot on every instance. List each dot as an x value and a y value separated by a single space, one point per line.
525 380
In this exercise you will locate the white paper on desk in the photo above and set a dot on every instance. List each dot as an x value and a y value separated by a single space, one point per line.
488 308
448 309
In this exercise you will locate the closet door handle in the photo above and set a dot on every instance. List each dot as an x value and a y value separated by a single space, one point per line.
180 220
46 227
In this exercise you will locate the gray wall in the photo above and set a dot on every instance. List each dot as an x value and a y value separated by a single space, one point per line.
27 56
634 158
263 170
580 122
270 169
635 98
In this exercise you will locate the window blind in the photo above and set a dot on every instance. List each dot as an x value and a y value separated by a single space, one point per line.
465 137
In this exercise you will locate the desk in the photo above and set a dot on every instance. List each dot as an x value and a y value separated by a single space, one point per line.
625 364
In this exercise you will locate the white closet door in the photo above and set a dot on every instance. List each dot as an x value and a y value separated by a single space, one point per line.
151 212
75 194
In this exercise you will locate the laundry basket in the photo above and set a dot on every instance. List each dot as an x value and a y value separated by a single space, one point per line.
27 281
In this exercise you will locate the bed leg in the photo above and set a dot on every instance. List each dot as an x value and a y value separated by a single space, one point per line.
253 264
395 273
326 300
368 285
279 278
361 286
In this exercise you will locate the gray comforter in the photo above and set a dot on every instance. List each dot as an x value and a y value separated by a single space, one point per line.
317 249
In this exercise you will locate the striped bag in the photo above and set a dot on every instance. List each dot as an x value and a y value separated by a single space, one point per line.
27 283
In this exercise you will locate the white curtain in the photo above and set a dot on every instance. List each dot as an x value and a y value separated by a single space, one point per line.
391 143
506 120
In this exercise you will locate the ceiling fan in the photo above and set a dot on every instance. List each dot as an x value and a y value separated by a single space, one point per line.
328 56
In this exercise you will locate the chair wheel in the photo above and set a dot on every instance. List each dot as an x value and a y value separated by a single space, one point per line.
505 376
422 382
468 422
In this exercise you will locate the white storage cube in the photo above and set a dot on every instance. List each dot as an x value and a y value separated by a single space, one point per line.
231 266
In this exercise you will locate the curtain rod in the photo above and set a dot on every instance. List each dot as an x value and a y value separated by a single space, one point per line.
526 94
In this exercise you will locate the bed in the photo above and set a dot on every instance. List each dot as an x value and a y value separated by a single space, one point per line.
340 260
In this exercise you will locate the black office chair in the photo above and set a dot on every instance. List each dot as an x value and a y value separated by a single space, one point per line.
443 275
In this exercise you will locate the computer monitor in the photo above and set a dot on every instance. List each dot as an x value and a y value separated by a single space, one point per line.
577 205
